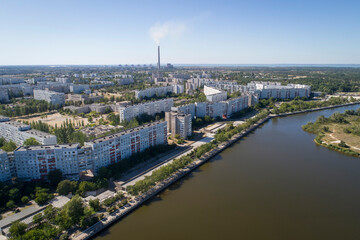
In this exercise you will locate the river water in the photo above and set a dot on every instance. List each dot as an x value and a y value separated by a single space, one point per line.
273 184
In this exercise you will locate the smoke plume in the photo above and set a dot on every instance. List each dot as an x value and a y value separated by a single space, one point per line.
166 29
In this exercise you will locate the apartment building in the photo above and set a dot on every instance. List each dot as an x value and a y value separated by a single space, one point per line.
151 108
11 80
276 90
80 88
5 167
111 149
19 132
222 109
214 95
186 109
62 80
35 162
124 79
51 97
4 95
179 123
159 91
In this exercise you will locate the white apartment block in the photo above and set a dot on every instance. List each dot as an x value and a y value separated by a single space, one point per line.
5 167
112 149
276 90
80 88
124 79
186 109
4 95
62 80
214 95
151 108
159 91
35 162
19 132
222 109
11 80
179 123
150 92
51 97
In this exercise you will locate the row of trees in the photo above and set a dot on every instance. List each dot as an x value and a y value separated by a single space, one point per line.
25 107
298 105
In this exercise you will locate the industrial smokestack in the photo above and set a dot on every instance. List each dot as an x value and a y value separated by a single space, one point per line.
158 65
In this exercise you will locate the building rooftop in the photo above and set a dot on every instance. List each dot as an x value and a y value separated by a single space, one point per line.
16 124
145 103
48 147
103 139
40 133
4 119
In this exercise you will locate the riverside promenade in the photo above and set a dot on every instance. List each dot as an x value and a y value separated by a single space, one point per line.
161 186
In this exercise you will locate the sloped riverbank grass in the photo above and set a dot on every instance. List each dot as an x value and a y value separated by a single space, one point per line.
339 132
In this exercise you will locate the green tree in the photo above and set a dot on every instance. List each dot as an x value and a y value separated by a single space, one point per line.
10 204
9 146
17 229
31 142
74 210
37 218
65 187
25 199
95 204
14 194
55 177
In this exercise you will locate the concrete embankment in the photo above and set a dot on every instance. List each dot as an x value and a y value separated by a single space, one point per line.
117 215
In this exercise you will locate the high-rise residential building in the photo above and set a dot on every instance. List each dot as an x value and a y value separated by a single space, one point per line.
111 149
5 167
179 123
151 108
186 109
35 162
4 95
51 97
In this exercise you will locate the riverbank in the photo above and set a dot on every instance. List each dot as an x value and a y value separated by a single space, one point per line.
120 213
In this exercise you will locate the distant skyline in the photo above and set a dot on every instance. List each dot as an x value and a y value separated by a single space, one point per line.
113 32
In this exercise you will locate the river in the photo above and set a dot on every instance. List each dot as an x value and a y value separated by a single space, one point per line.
273 184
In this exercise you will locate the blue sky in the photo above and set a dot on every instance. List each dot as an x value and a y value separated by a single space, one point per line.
194 32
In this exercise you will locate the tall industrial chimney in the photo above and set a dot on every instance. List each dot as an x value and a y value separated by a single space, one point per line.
158 65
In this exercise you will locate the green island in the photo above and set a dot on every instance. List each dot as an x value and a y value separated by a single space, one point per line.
339 132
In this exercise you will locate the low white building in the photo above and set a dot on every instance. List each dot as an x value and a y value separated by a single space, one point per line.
19 132
214 95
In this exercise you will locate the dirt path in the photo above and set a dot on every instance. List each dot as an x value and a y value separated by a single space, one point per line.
338 140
